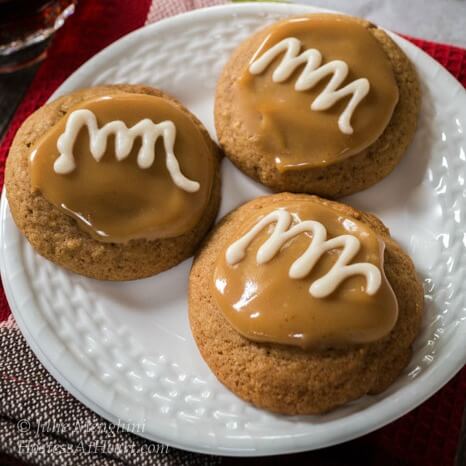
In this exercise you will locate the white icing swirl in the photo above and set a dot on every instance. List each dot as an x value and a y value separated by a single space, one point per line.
312 74
282 233
146 129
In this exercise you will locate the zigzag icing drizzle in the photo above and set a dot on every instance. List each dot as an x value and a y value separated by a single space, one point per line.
312 73
124 141
282 233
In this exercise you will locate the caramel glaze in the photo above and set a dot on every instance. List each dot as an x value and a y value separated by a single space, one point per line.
264 304
280 118
116 201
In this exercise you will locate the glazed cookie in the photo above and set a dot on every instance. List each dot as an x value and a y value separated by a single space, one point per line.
322 104
113 182
300 304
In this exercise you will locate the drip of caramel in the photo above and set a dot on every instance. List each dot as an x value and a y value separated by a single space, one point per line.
116 201
280 118
263 303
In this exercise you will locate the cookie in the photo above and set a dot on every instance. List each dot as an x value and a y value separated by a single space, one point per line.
114 182
277 334
322 104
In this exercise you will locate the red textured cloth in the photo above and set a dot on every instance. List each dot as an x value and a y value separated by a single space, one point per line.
426 436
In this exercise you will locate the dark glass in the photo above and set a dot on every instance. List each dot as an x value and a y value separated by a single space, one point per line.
26 27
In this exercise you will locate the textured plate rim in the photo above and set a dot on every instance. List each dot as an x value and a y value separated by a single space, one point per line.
413 394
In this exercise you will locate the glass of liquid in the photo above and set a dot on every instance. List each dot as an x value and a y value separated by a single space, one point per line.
26 27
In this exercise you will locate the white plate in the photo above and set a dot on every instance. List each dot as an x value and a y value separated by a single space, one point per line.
125 349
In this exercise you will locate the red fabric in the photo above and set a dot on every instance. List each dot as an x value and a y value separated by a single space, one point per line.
426 436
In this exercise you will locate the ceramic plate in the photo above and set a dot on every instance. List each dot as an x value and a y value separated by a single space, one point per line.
125 349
